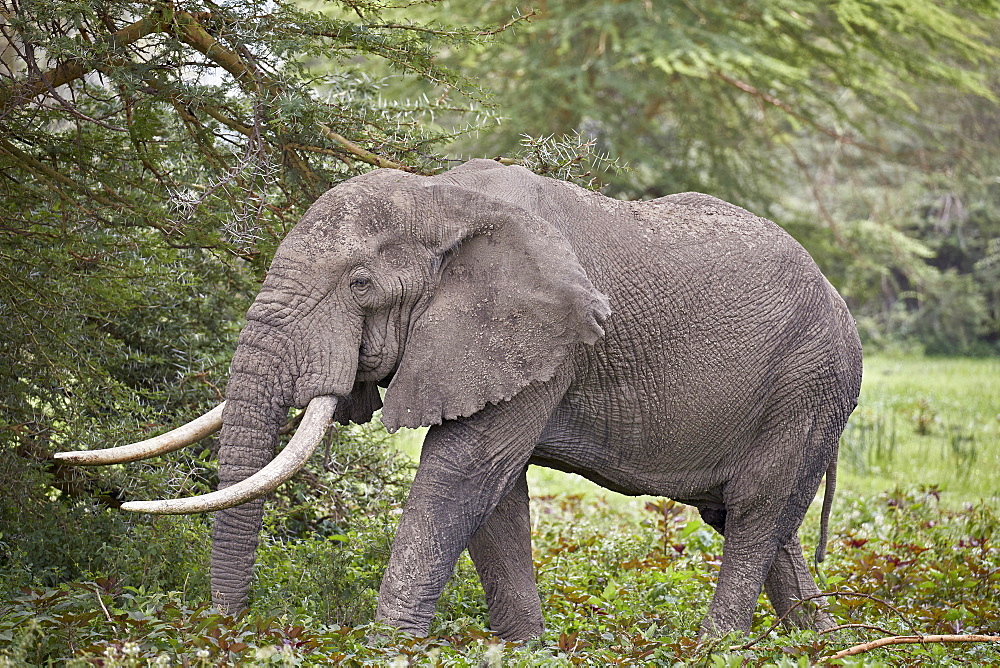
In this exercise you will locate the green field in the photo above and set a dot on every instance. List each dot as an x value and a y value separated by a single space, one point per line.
926 422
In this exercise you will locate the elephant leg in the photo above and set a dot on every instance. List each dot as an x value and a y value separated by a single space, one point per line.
501 551
467 467
746 559
790 581
764 507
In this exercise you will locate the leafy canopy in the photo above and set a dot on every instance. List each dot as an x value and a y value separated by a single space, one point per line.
867 129
697 95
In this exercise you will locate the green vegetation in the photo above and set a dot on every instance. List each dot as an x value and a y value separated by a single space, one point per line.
623 580
619 587
926 422
867 129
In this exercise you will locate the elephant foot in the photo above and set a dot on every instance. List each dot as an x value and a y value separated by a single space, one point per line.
713 629
809 617
518 630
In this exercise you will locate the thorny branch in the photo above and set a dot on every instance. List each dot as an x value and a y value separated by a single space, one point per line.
362 154
21 93
188 28
458 33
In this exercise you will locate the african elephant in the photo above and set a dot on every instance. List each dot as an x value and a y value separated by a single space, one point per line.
680 347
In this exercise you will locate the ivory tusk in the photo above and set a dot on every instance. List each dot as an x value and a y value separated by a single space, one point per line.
318 415
192 432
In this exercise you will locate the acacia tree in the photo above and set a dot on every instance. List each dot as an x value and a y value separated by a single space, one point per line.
151 156
700 94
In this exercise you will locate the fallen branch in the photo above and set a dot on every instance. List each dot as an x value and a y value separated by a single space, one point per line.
867 627
762 636
907 640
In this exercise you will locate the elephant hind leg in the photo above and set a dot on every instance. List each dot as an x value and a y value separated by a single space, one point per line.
788 582
763 507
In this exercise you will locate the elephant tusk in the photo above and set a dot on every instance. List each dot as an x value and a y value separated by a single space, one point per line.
192 432
318 416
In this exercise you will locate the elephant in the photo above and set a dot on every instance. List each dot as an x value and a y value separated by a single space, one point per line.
680 347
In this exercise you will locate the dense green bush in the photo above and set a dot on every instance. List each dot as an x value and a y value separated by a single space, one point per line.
353 488
50 535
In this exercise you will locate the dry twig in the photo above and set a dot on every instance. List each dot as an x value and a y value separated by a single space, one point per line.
107 614
916 639
764 635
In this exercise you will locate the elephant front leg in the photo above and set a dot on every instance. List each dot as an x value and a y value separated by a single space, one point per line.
501 551
424 551
467 468
446 507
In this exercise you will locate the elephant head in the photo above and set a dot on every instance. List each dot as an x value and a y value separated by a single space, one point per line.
449 294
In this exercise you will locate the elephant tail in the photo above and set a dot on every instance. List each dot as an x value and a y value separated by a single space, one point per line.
824 521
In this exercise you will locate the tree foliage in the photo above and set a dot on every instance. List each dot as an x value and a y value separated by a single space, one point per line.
695 96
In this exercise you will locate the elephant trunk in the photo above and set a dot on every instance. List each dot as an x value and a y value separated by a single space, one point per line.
247 442
258 395
249 435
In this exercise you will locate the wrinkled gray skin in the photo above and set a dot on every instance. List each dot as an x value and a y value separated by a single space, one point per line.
681 347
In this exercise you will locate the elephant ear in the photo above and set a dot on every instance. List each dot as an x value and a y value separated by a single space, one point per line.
511 304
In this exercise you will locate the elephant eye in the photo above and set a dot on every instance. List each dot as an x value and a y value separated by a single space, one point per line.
361 284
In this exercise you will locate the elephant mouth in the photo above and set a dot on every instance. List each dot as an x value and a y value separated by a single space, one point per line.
315 421
374 365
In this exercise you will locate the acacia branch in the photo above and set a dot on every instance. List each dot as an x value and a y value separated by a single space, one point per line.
362 154
460 33
193 33
187 28
908 640
54 176
19 94
787 108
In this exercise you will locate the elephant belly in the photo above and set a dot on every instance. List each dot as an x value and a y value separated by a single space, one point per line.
637 457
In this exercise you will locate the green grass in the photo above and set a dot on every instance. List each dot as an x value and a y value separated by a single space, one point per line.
926 422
